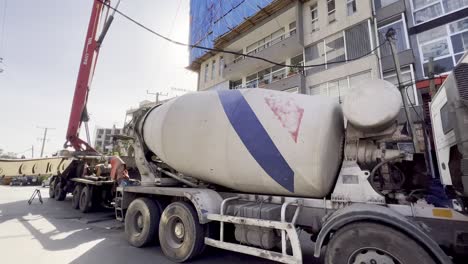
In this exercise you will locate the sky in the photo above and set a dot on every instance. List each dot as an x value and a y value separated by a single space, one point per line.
42 46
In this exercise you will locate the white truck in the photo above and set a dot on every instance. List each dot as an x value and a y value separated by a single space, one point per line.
247 170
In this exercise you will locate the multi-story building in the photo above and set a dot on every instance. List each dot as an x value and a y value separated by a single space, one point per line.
311 33
425 29
322 34
103 138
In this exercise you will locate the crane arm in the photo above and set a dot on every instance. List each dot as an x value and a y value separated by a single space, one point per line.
79 113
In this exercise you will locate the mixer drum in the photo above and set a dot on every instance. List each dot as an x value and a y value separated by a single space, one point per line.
251 140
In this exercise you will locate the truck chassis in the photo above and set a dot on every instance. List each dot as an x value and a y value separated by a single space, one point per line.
322 218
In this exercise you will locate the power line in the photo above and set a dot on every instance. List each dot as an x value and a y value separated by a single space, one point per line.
227 51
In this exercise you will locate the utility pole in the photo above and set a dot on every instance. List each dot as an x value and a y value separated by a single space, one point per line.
32 151
44 138
157 94
390 35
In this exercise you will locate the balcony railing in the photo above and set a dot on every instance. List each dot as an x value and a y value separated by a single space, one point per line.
269 78
272 42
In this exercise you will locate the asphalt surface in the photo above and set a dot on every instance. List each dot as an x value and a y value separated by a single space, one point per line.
53 232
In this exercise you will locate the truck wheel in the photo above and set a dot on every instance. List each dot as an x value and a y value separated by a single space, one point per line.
85 203
371 243
76 196
180 234
60 193
52 189
142 222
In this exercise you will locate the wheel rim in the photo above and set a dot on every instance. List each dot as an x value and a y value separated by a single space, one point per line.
176 231
138 220
372 256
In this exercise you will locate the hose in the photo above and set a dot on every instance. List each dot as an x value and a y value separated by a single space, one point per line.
380 164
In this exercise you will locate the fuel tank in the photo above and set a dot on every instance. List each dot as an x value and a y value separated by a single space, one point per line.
251 140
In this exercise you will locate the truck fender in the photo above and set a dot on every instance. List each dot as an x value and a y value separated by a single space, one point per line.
205 202
380 214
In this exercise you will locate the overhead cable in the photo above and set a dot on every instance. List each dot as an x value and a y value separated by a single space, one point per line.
228 51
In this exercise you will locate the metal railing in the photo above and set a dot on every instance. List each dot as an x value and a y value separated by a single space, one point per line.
271 42
271 77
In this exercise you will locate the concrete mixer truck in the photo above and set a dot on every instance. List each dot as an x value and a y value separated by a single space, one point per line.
248 170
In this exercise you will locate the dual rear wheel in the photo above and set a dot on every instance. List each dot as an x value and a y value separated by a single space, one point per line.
82 198
177 228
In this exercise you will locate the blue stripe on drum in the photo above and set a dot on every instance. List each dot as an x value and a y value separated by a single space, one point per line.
255 138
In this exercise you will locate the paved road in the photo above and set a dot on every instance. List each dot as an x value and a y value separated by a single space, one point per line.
54 233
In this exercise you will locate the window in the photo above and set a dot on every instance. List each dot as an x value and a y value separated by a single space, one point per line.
315 55
267 76
383 3
401 43
453 5
425 10
340 88
206 72
358 41
276 37
269 40
297 60
292 28
239 57
331 10
335 51
314 16
446 44
427 13
319 89
213 69
334 48
235 84
445 116
252 81
351 7
435 49
221 66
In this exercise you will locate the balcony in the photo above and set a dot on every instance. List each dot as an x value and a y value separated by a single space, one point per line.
281 79
278 49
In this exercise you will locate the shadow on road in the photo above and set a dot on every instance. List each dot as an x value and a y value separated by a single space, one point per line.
71 228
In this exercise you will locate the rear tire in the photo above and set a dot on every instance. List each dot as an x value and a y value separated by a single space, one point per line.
181 235
85 203
60 193
52 188
374 243
142 222
76 196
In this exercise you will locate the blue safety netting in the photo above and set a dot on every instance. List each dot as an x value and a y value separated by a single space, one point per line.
210 19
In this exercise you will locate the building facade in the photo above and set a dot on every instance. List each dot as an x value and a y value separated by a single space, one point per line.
316 33
103 138
342 43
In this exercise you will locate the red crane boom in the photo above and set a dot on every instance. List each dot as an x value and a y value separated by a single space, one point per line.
89 57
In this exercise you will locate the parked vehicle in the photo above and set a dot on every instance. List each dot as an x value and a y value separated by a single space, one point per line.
24 180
